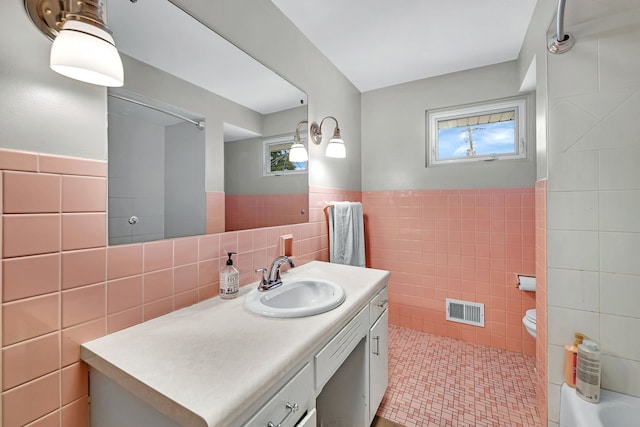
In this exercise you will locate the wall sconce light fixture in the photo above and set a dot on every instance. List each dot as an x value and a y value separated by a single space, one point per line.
83 48
336 144
297 152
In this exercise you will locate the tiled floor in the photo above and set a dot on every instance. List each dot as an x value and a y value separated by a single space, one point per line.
437 381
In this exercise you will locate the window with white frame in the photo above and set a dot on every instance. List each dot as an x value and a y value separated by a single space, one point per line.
489 131
276 156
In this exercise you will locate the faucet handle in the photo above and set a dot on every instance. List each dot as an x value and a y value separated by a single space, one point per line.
264 282
264 272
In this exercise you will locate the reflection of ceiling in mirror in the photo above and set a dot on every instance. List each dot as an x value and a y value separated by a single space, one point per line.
160 34
237 133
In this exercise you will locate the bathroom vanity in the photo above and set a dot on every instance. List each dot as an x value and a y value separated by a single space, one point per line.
217 364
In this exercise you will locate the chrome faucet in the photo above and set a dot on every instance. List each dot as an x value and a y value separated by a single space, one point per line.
271 278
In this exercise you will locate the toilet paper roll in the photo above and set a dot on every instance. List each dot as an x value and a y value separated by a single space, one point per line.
527 283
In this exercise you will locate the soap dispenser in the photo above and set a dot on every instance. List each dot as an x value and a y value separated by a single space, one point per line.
229 279
570 359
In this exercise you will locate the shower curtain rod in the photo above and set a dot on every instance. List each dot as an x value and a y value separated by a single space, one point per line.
561 42
198 123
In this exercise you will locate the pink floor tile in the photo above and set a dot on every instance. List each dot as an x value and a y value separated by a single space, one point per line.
441 381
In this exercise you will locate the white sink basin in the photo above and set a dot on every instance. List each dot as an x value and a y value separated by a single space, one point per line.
295 298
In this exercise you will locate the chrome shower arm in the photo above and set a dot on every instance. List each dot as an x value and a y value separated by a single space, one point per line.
560 35
561 42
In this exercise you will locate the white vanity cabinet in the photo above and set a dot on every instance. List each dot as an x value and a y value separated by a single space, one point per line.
182 370
359 375
378 351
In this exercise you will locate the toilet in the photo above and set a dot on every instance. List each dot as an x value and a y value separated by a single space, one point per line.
529 322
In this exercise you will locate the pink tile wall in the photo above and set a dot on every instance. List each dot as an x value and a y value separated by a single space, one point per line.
62 285
244 211
462 244
541 297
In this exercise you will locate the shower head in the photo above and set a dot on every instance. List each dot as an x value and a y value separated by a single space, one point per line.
561 42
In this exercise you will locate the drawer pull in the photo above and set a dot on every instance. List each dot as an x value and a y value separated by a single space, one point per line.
382 303
377 350
291 408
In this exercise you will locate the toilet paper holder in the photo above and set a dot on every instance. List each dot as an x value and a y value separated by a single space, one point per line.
526 283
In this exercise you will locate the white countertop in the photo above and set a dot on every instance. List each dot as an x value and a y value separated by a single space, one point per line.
206 364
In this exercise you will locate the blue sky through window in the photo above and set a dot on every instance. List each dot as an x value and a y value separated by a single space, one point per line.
490 138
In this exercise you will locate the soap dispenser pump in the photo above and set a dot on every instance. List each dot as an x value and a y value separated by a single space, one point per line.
229 279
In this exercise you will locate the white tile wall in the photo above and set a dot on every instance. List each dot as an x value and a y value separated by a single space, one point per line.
555 364
619 50
568 112
617 337
593 199
603 103
575 289
566 322
553 395
572 171
619 169
620 294
573 73
572 210
619 252
612 131
576 250
621 375
619 210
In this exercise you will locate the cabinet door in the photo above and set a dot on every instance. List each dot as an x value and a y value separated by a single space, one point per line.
378 362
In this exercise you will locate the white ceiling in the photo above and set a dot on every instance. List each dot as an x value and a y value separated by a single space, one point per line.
379 43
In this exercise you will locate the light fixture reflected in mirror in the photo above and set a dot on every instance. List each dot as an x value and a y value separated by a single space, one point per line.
83 48
297 152
336 144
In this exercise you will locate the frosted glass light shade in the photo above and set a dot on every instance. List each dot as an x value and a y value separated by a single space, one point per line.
87 53
297 153
336 149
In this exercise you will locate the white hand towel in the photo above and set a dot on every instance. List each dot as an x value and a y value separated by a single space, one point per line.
346 234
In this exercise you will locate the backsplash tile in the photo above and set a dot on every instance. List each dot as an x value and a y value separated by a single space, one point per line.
71 166
158 285
30 318
185 251
30 234
29 401
18 160
74 336
83 230
123 261
124 293
25 192
74 382
31 359
83 194
83 267
25 277
158 255
83 304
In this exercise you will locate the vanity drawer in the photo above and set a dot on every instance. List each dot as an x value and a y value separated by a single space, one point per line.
329 359
378 305
290 405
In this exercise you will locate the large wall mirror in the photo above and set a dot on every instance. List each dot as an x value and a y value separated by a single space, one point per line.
189 132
